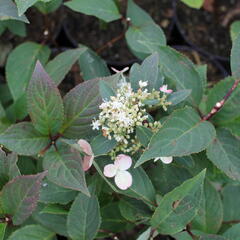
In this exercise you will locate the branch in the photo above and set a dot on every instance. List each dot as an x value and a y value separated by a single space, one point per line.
220 104
231 222
188 230
115 39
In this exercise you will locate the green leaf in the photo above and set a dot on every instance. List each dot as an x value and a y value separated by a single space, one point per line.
134 210
144 135
182 134
8 10
24 5
46 7
179 96
104 9
16 27
52 193
112 219
91 65
143 35
194 3
182 72
45 104
224 152
81 106
101 145
32 232
233 233
62 63
23 139
171 176
54 209
19 197
84 218
233 126
230 206
148 71
234 30
230 110
3 227
145 235
105 90
65 169
178 207
235 55
210 216
54 222
8 167
20 65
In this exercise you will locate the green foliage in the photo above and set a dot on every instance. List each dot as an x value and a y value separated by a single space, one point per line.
224 152
63 168
143 36
194 3
184 133
84 218
179 206
45 105
8 10
32 232
104 9
19 197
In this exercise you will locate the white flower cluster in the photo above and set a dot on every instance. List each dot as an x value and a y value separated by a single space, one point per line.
122 113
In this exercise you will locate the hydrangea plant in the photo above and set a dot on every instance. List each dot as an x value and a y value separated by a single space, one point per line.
148 151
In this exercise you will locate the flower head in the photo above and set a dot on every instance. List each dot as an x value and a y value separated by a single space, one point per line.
88 158
164 89
122 178
142 83
165 160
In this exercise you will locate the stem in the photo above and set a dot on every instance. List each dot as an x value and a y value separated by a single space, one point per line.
231 222
52 142
188 230
220 104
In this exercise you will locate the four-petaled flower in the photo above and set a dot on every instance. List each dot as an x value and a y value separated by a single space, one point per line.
123 178
165 160
164 89
89 156
142 83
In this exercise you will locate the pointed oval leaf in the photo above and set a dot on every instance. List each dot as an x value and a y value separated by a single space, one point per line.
210 216
19 197
84 218
8 10
62 63
235 55
65 169
24 5
23 139
178 207
32 232
143 36
230 193
104 9
182 72
233 232
20 65
92 66
182 134
45 104
224 152
81 105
